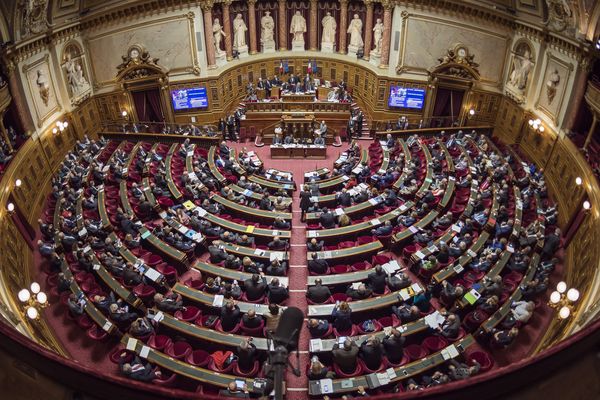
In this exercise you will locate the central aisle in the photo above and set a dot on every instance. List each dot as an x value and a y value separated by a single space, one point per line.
298 273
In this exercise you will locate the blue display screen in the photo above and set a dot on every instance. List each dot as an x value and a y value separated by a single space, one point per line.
406 98
185 99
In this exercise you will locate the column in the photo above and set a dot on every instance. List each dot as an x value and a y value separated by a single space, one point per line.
252 25
388 8
343 25
17 97
368 29
313 25
283 29
208 36
588 139
227 28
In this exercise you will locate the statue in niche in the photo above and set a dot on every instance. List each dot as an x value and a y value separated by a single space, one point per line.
378 36
355 31
521 67
267 25
43 86
239 33
551 85
298 27
218 36
75 78
329 26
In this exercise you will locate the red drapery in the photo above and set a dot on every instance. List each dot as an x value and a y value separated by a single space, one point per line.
147 105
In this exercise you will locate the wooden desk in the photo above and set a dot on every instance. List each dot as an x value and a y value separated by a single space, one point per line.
184 369
345 256
298 151
272 185
202 141
401 373
298 97
254 213
209 299
169 175
212 153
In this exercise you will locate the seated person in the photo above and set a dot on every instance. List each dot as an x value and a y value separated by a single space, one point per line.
383 230
137 369
393 345
141 327
230 316
276 268
282 224
277 244
327 219
451 326
318 266
371 352
250 320
398 281
505 337
377 279
277 293
255 287
168 303
314 245
318 293
318 327
406 313
361 293
245 240
459 371
345 357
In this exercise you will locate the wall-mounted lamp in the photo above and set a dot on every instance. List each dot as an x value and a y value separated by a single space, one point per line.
578 181
18 183
536 125
33 300
10 207
60 126
562 300
586 205
471 112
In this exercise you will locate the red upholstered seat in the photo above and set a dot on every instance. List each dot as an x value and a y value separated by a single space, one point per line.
85 322
159 342
219 327
388 363
376 323
191 313
461 334
340 269
253 331
389 321
179 350
434 343
346 244
166 379
379 259
367 370
483 358
249 374
365 239
415 352
343 374
335 297
97 333
361 266
213 366
115 355
260 300
327 333
194 283
169 272
144 292
199 358
351 332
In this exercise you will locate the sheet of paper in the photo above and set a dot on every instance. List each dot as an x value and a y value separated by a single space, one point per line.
131 343
218 300
153 274
326 386
316 345
419 254
144 351
107 325
413 229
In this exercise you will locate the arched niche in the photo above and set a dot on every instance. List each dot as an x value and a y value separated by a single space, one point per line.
520 72
75 74
145 83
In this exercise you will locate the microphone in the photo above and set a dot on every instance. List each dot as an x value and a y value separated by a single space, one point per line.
288 330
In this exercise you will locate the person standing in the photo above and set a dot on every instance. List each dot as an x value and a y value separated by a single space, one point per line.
304 202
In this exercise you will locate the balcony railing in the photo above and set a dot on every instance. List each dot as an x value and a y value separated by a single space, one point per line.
592 95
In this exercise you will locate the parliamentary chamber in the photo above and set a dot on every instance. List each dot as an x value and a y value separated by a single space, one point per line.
524 71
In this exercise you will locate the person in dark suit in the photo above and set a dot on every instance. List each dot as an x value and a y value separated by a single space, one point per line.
216 254
327 219
276 292
318 266
318 327
551 244
342 317
451 327
318 293
137 369
255 287
230 316
277 244
346 356
344 199
246 353
265 203
313 245
304 202
393 345
371 352
377 280
251 320
361 293
168 303
121 314
383 230
233 391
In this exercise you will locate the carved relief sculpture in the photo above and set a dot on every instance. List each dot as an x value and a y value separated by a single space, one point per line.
34 16
551 85
218 36
378 36
76 80
239 34
267 29
298 28
559 15
43 86
136 63
457 62
329 28
355 31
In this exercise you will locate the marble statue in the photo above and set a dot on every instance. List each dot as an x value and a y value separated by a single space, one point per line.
522 66
43 86
298 27
239 33
267 25
551 85
355 31
218 36
75 78
329 27
378 36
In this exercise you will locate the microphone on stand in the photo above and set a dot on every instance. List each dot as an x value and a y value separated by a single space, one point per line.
285 339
